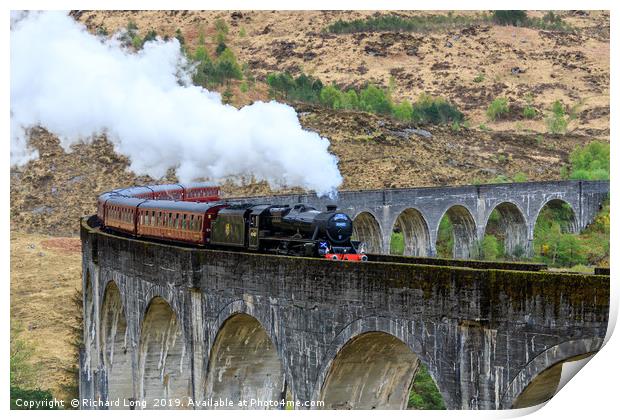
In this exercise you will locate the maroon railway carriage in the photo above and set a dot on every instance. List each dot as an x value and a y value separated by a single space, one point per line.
120 213
201 191
182 221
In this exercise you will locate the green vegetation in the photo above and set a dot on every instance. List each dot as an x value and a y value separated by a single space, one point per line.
491 248
426 23
179 36
221 35
23 372
71 388
550 21
445 238
371 99
510 17
590 162
424 393
497 109
390 23
101 31
529 112
553 244
215 72
557 122
479 78
303 88
397 243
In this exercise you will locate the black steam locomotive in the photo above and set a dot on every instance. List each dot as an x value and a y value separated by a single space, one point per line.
297 230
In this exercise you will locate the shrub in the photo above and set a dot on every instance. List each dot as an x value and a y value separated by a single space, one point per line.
151 35
491 248
22 371
510 17
227 95
221 47
228 67
497 109
590 162
435 110
403 111
397 243
179 36
529 112
212 73
424 393
329 96
445 238
557 122
519 177
500 179
349 100
102 31
374 99
221 26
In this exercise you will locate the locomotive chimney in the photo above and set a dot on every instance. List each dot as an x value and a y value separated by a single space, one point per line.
331 207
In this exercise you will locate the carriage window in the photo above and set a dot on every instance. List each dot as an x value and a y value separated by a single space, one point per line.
184 222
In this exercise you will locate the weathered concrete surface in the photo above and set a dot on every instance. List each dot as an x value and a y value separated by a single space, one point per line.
484 334
418 211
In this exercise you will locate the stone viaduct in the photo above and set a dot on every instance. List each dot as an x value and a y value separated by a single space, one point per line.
418 212
168 325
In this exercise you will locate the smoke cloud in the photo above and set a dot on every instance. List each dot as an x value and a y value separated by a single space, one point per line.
77 85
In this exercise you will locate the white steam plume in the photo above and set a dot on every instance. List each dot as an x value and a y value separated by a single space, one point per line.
77 85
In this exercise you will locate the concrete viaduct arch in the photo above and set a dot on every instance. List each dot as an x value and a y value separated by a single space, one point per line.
499 327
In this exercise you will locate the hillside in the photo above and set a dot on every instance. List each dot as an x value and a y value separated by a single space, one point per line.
447 60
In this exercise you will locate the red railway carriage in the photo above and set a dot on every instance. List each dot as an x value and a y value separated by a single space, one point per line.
201 192
101 204
143 192
177 220
174 192
120 213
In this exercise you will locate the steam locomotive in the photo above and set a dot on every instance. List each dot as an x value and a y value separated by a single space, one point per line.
194 214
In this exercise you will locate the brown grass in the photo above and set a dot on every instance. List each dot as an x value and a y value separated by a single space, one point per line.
45 272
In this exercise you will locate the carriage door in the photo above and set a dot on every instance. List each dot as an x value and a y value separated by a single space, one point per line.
253 241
